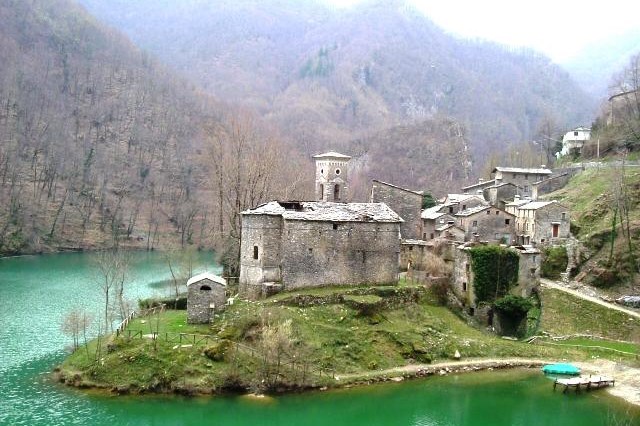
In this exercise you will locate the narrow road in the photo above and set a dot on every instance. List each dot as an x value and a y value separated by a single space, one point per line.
552 284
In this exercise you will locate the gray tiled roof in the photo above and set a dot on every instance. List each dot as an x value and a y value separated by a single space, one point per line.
329 212
332 154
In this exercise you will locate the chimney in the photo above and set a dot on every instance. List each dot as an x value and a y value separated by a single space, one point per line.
480 180
543 166
516 197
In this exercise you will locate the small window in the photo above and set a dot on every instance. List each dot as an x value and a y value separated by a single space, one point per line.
467 267
310 250
488 211
450 209
321 171
513 175
255 252
507 221
526 188
432 236
336 192
497 212
424 236
335 226
464 207
205 288
475 223
526 177
575 133
410 248
464 286
564 216
337 171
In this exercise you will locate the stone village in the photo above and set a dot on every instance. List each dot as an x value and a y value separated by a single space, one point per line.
288 245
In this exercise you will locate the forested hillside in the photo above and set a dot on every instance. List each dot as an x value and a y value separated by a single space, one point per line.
326 76
100 144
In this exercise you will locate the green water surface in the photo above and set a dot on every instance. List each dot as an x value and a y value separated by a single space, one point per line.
37 291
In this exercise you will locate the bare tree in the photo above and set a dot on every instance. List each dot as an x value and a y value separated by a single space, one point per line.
112 268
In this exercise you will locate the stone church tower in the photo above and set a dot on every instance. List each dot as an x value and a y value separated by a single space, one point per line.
332 177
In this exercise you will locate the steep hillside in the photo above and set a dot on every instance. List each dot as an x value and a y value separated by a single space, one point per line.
605 216
97 140
328 76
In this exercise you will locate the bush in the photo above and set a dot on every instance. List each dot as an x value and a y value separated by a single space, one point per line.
495 271
435 265
554 262
170 303
217 351
513 306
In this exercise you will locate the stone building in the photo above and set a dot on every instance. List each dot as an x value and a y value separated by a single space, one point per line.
499 195
332 173
529 259
290 245
540 221
487 223
433 219
454 203
206 295
522 177
406 203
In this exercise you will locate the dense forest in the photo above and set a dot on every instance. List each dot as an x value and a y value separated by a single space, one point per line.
326 76
101 144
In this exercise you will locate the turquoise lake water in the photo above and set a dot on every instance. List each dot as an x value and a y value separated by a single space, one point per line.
37 291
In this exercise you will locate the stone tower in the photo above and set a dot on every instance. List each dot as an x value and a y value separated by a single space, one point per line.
332 177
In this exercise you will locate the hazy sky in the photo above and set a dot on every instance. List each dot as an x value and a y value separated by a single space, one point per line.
558 28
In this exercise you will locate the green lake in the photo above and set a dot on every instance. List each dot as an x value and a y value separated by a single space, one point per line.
37 291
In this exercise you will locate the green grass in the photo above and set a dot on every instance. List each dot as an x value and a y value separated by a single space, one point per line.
564 314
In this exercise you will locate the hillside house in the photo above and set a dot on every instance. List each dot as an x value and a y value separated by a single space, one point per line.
521 177
540 221
529 260
405 202
206 295
574 140
290 245
433 219
454 203
486 223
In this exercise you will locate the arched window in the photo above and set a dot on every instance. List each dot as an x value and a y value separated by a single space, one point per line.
205 288
336 192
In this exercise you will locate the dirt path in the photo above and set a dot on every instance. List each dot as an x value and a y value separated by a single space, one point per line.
444 367
555 285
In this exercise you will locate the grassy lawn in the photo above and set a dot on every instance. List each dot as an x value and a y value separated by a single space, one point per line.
564 314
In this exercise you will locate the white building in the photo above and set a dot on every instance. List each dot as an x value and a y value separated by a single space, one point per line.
573 141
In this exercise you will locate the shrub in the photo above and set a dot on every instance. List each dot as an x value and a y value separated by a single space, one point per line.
554 262
436 266
495 271
217 351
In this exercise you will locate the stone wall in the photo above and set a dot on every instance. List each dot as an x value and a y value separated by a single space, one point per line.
199 300
407 204
263 232
462 280
545 217
489 225
323 253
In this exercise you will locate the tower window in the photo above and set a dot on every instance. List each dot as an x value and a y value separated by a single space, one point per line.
255 252
337 171
321 192
336 192
335 226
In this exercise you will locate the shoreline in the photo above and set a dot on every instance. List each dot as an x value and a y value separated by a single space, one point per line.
627 378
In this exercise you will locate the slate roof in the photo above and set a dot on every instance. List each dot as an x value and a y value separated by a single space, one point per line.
332 154
535 205
485 184
328 212
432 213
398 187
521 170
472 210
458 198
207 276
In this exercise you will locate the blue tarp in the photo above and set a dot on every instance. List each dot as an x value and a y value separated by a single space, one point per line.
568 369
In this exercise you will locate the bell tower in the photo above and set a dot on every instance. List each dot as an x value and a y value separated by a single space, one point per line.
332 173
